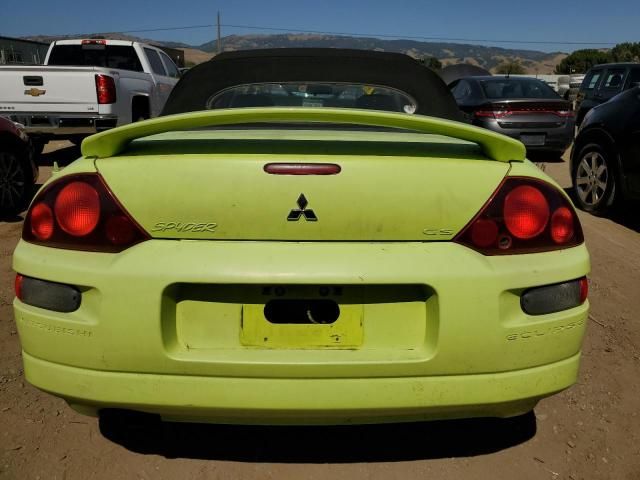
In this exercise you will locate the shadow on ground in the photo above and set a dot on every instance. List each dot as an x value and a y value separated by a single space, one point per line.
12 218
627 216
62 156
327 444
545 157
625 213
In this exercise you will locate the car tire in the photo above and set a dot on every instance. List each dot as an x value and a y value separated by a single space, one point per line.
16 182
594 179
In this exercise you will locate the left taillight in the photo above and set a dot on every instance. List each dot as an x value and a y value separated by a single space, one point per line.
105 89
524 215
79 212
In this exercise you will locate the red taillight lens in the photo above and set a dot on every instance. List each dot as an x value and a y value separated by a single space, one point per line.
18 286
530 108
491 113
77 209
484 113
526 212
562 225
584 289
120 230
105 89
524 215
484 232
94 42
78 212
41 218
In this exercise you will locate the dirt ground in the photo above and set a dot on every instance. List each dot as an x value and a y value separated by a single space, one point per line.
591 431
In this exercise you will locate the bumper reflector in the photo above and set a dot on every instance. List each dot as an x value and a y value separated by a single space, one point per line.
48 295
554 298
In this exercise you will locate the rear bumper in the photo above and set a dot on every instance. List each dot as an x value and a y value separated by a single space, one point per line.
160 327
64 124
555 139
304 401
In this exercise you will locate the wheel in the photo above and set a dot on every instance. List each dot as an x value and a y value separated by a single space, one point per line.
15 182
594 179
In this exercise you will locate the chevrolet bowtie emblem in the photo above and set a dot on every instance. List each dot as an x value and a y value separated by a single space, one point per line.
302 211
35 92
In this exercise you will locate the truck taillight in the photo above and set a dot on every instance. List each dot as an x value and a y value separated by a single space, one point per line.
79 212
94 41
105 89
524 215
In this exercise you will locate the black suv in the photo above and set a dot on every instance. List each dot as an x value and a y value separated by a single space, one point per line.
602 83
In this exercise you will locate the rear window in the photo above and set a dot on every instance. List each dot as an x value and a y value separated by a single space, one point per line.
313 94
504 88
111 56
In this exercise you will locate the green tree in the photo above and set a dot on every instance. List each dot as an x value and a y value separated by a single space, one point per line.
432 62
510 67
626 52
581 61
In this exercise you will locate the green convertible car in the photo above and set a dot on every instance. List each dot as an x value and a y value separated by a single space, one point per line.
304 237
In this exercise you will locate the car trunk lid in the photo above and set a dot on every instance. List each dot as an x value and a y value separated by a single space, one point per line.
391 186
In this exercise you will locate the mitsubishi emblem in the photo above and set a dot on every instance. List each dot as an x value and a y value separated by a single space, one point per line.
302 211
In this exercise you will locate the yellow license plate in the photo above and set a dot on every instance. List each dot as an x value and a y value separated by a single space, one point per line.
345 332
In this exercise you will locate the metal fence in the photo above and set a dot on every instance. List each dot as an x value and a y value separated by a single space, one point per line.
15 51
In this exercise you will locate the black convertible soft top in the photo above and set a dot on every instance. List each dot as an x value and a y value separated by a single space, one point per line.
383 69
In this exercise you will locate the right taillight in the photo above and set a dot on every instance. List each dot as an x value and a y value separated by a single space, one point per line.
524 215
105 89
79 212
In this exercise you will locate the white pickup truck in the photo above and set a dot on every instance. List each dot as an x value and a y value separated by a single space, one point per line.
87 86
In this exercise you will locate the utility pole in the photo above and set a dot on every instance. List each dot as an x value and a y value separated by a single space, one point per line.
219 44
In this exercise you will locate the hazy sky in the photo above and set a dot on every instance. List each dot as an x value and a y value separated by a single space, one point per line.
492 20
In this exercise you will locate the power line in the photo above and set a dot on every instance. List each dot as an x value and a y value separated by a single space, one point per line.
354 34
161 29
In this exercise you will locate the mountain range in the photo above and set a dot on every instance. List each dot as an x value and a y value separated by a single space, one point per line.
448 53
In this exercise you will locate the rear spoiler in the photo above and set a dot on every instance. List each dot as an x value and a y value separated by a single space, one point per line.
112 142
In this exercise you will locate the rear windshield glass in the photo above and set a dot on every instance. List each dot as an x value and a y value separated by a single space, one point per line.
112 56
313 94
503 88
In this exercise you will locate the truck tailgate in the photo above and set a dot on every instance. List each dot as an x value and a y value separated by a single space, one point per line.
48 89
